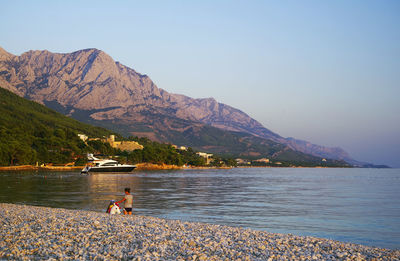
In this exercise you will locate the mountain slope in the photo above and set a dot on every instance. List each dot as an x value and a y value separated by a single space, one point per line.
92 83
30 132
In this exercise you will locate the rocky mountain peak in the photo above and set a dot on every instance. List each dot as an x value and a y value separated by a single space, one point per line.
4 55
90 80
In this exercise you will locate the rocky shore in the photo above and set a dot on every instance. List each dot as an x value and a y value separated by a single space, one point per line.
29 232
139 166
46 168
152 166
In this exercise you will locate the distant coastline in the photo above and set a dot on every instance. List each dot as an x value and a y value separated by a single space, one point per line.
140 166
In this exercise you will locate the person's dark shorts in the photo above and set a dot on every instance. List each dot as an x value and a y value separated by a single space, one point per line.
128 209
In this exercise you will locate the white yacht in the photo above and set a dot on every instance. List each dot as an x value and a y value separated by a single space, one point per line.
105 165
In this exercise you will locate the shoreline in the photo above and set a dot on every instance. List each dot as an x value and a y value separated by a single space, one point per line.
140 166
32 167
46 233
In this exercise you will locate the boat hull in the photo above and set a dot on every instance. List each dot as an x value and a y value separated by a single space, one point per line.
116 169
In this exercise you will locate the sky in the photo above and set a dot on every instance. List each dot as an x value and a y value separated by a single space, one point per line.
323 71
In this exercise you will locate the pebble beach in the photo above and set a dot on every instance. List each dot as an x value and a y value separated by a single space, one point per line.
40 233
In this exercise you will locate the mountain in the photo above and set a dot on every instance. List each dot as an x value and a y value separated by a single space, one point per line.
89 85
31 133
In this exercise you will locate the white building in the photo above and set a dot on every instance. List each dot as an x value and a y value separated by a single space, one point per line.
207 156
83 137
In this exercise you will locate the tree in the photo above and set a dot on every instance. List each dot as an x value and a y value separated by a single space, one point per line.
20 153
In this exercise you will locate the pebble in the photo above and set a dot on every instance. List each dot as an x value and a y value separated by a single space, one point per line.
29 232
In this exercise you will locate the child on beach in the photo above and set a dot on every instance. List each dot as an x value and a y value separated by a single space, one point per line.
128 202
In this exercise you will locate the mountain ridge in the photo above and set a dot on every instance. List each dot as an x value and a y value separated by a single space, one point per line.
90 79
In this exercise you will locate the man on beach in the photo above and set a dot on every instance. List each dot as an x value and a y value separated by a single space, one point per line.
128 202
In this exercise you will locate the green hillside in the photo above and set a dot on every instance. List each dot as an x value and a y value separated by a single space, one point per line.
30 133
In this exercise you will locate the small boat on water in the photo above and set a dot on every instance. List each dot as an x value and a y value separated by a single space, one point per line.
105 165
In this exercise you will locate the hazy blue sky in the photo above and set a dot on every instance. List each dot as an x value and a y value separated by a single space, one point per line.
326 72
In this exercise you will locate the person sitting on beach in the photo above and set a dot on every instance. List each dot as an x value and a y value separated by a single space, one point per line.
128 202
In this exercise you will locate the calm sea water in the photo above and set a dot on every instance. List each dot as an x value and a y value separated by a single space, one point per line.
352 205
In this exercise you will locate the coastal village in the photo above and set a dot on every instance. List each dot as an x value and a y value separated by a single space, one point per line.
209 157
133 145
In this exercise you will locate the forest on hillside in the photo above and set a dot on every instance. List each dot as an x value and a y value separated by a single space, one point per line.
31 133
